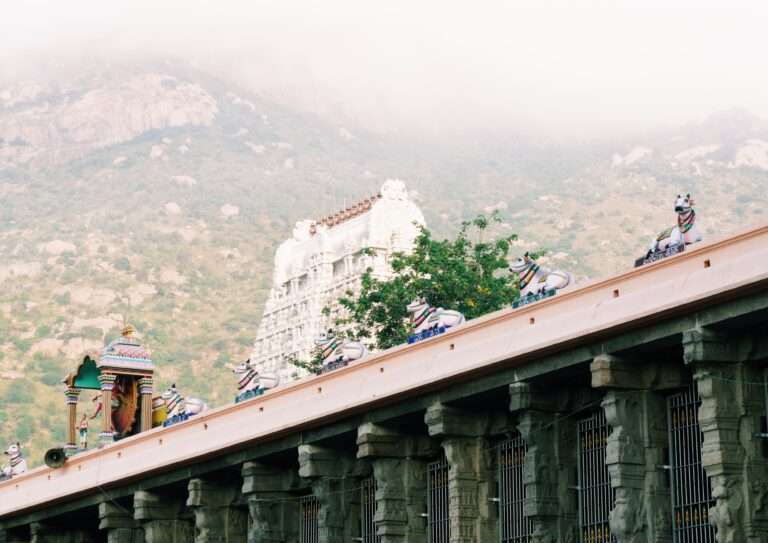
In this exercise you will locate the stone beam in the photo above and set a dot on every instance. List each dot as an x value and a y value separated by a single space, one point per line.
399 468
732 405
220 515
470 477
273 508
118 522
163 516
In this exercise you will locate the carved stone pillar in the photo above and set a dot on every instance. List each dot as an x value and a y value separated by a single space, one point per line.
335 485
72 395
732 404
217 520
549 466
119 524
273 509
107 381
49 533
163 517
400 473
635 449
470 479
145 392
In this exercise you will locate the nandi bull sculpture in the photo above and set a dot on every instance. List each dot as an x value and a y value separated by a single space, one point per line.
250 383
536 281
428 321
178 407
337 352
674 239
16 463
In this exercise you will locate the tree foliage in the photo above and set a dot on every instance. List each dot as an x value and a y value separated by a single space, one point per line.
467 274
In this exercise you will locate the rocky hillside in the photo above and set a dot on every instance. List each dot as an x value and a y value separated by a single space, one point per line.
157 194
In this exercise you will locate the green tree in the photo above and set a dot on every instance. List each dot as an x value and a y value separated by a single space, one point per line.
467 274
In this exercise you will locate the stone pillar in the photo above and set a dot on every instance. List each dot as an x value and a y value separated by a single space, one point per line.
732 403
336 487
273 509
72 395
119 524
145 391
50 533
107 381
217 519
635 448
470 478
550 464
400 473
163 517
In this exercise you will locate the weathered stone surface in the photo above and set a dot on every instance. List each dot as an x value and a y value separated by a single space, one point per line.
335 480
273 510
217 517
44 533
732 403
470 478
119 524
634 457
399 469
549 468
609 371
163 517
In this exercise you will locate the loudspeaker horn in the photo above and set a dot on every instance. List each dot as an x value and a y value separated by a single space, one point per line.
55 458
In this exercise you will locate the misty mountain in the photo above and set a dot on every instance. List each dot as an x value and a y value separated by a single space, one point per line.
157 193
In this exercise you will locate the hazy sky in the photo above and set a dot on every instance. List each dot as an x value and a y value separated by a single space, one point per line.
565 65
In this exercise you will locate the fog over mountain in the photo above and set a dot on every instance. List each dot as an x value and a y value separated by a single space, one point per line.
555 67
153 156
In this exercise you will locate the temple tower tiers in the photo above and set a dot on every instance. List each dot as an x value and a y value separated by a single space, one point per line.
320 262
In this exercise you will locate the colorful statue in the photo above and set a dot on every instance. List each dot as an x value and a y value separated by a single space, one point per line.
179 408
82 429
677 237
338 352
16 463
535 280
427 321
250 383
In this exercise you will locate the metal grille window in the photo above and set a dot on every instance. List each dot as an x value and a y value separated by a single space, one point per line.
596 497
691 492
310 511
515 527
438 515
368 511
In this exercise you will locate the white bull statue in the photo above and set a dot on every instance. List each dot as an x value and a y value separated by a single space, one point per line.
16 463
685 233
251 383
427 321
535 279
336 352
180 408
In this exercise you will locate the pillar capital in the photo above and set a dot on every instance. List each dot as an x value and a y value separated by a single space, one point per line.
702 345
217 517
271 504
443 421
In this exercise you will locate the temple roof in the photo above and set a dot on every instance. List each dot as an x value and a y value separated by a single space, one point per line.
126 352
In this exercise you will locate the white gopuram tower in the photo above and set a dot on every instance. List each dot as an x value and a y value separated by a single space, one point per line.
320 263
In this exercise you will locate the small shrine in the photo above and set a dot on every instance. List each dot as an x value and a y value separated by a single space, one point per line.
123 374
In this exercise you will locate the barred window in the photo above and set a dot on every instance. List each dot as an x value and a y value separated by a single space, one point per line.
514 526
596 497
309 507
438 510
690 488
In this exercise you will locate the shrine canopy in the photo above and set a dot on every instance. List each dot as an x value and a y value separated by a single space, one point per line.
122 356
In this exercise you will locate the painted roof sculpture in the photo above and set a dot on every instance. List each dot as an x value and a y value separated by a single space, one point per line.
126 352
